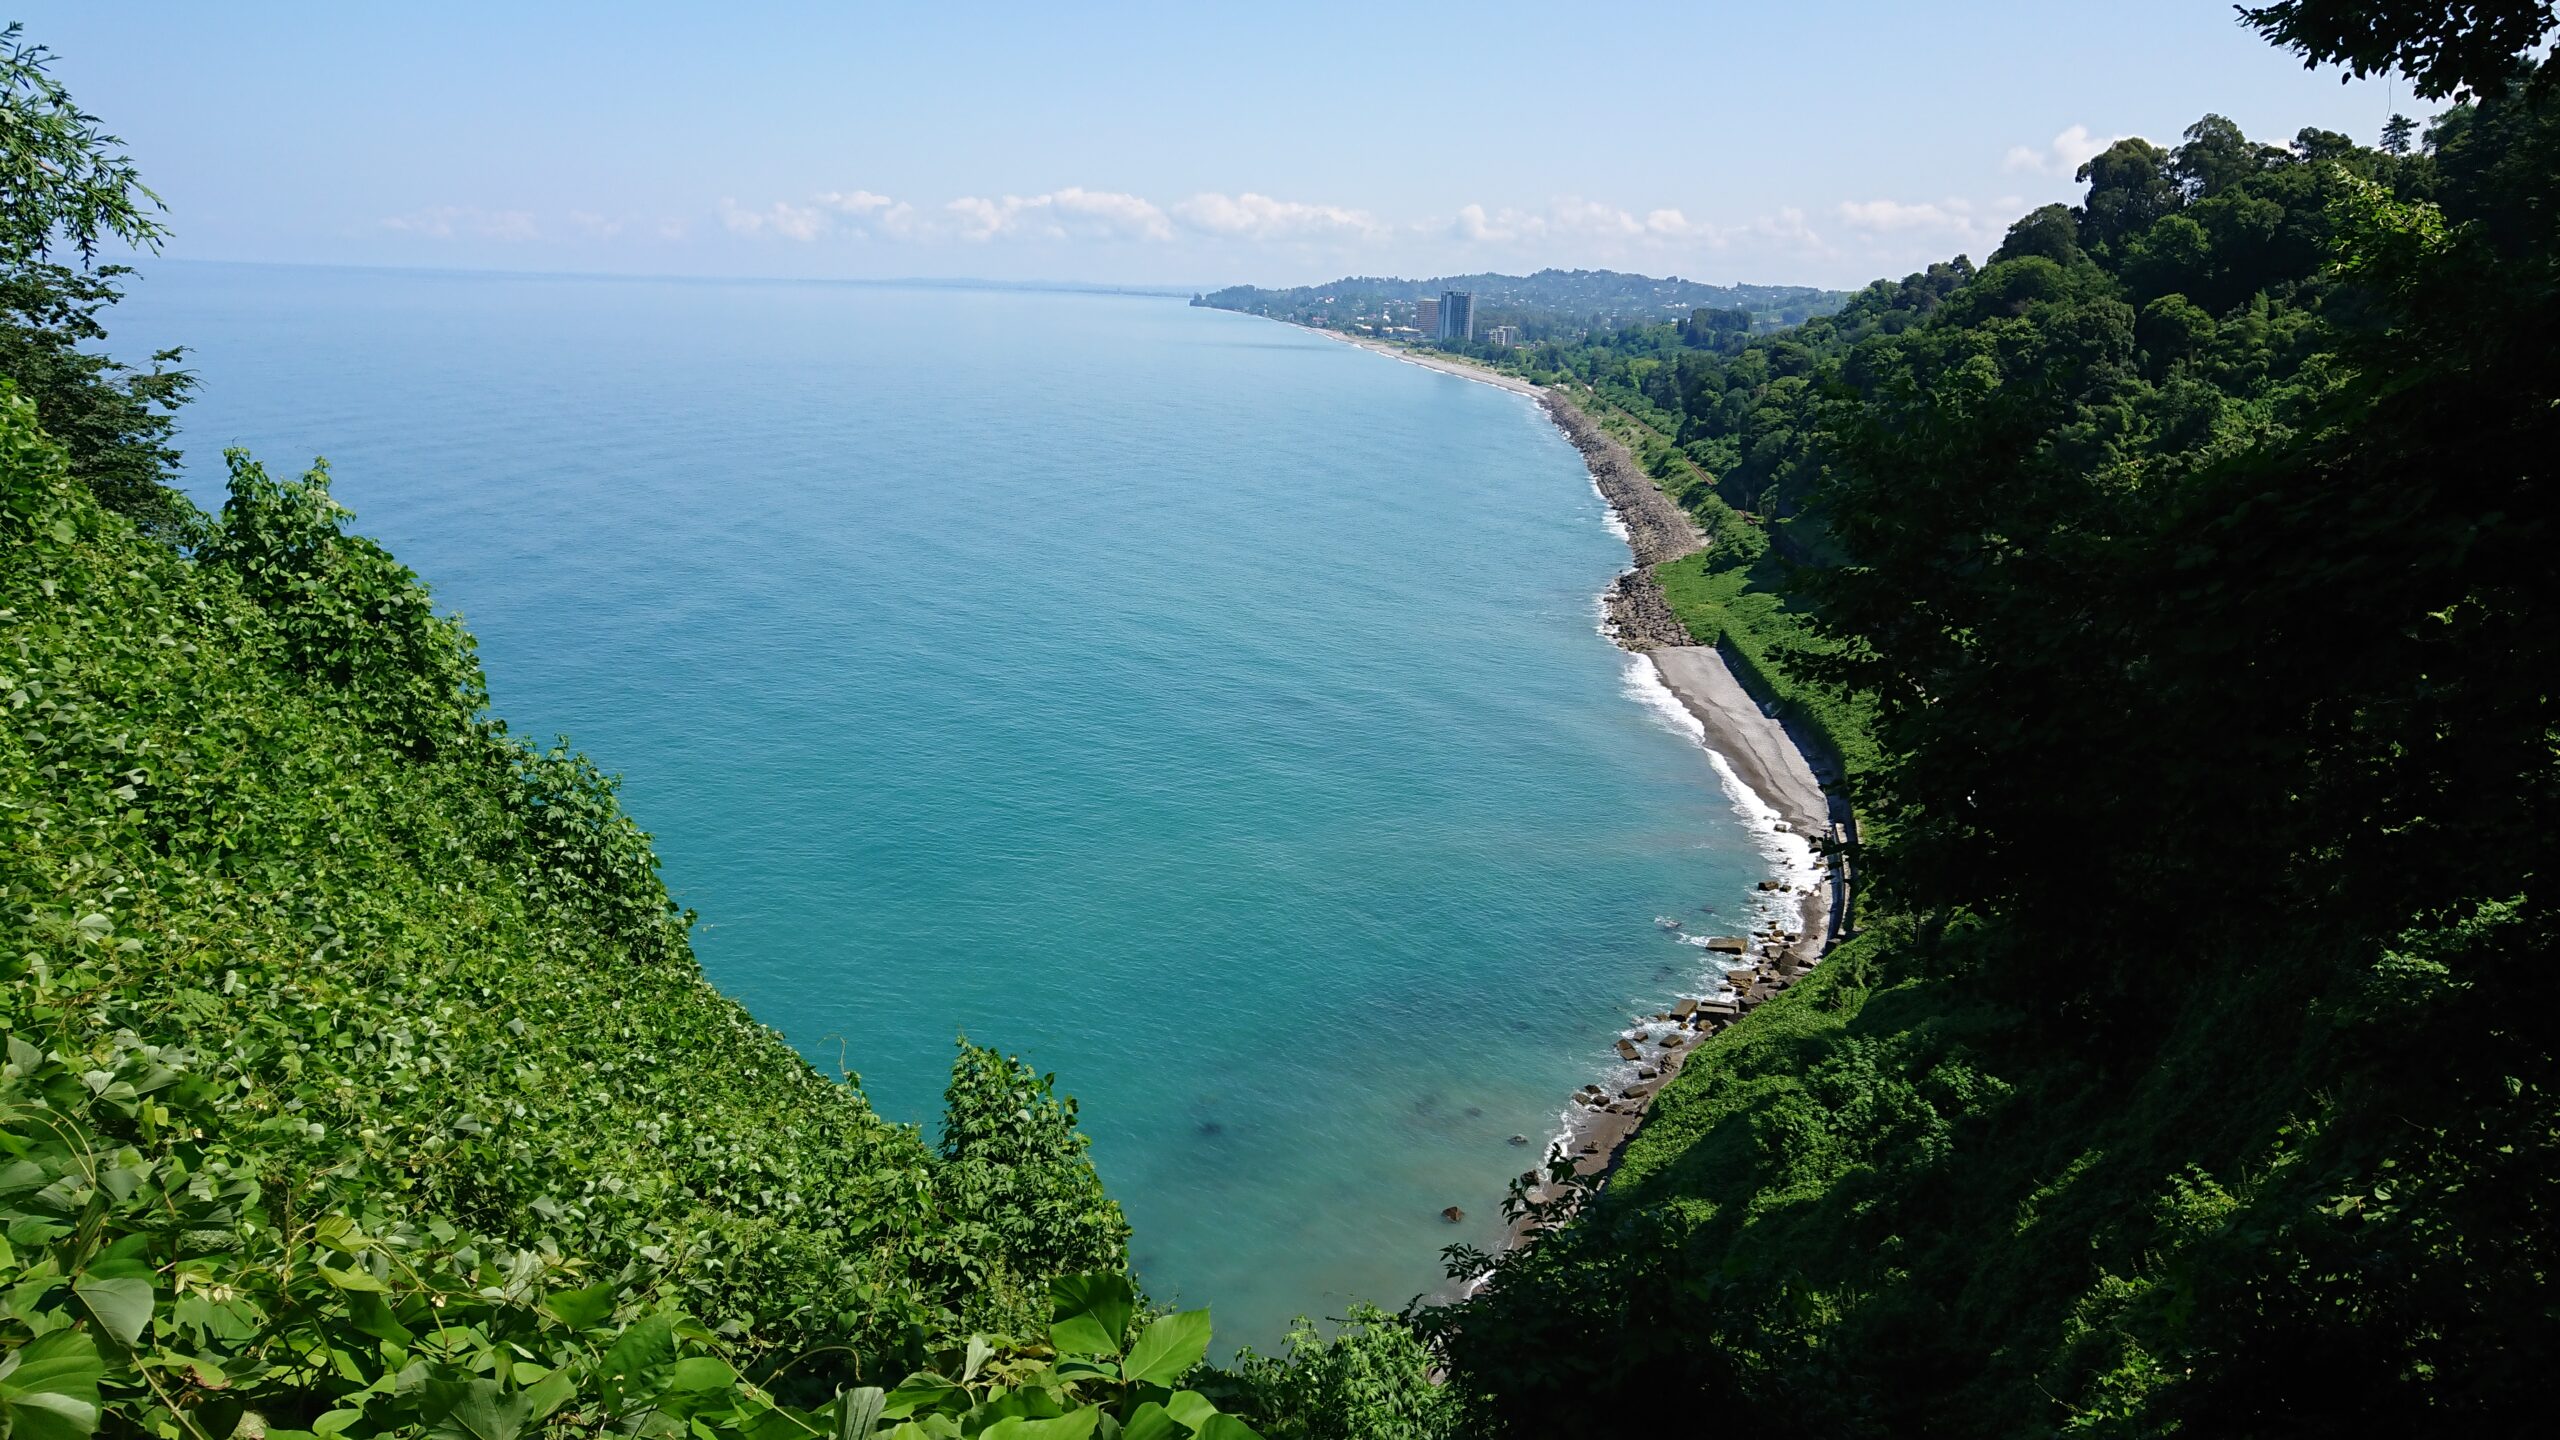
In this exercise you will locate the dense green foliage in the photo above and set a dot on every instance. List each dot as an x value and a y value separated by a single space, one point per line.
2195 1073
1369 1381
66 185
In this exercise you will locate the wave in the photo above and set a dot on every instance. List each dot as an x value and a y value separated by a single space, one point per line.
1609 512
1793 860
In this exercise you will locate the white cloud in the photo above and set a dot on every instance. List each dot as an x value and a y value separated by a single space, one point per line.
1948 217
868 215
1575 218
2063 155
1073 213
443 222
1070 214
1615 230
1259 217
791 222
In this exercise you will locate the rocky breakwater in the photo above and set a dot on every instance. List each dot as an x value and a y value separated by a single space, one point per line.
1603 1117
1657 529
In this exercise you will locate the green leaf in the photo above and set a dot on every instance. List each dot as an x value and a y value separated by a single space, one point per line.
701 1372
645 1348
122 1308
1075 1425
582 1309
335 1421
858 1412
553 1391
49 1387
372 1315
1190 1409
925 1392
1150 1421
1088 1314
356 1280
474 1410
1167 1349
1225 1427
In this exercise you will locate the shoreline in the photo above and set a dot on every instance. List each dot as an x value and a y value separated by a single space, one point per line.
1777 792
1776 788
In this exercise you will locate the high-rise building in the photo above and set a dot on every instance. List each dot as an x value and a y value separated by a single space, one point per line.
1426 318
1505 336
1457 315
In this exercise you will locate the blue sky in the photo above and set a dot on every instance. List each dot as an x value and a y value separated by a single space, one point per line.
1132 143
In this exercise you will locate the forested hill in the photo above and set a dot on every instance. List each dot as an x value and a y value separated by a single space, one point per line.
1550 302
2182 568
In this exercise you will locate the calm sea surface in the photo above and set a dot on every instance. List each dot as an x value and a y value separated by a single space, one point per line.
1210 712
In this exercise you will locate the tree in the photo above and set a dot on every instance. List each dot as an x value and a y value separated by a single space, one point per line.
1015 1171
2047 231
2395 134
2216 157
2129 187
2442 48
65 185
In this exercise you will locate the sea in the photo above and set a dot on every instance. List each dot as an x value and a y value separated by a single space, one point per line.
1214 714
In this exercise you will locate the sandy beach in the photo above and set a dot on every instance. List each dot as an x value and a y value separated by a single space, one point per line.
1445 364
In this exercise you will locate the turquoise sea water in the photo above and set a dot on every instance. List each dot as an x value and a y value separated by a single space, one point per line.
1209 711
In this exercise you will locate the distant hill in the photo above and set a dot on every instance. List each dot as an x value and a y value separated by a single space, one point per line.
1546 303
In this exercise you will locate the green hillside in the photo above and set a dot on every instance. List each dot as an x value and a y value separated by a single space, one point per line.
2173 581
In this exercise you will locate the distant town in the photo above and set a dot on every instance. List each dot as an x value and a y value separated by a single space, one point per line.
1494 312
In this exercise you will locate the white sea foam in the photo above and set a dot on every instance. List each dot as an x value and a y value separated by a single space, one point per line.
1643 684
1608 512
1792 857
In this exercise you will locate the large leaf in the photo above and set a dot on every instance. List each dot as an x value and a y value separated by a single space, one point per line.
925 1392
1225 1427
1088 1314
1150 1422
359 1281
122 1308
579 1309
1190 1409
49 1387
858 1412
1076 1425
639 1358
1167 1349
701 1372
474 1410
373 1315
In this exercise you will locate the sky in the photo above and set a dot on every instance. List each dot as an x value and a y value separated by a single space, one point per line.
1177 145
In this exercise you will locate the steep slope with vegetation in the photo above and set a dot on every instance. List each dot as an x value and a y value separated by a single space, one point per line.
2194 1072
358 1076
